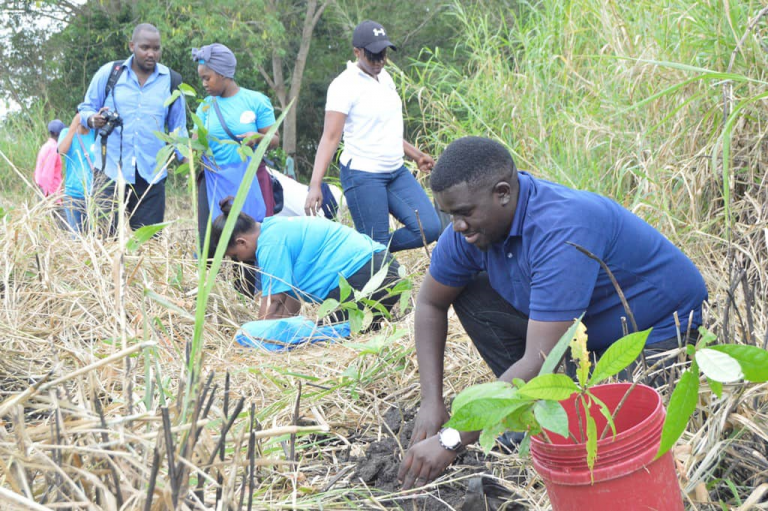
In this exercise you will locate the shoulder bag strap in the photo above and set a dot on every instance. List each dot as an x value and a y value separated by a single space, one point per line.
222 121
85 151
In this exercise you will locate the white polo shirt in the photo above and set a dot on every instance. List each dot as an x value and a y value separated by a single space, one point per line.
373 132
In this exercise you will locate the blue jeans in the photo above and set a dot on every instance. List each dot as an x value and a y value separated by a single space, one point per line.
372 196
75 211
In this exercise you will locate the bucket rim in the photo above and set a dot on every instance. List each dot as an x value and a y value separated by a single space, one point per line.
535 439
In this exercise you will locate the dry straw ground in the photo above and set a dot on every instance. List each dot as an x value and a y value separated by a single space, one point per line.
93 363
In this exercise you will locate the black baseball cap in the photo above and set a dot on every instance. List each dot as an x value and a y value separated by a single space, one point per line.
371 36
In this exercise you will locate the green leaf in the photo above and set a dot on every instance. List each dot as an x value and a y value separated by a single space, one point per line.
552 416
142 234
377 279
182 169
356 317
619 356
372 347
752 360
522 419
707 337
489 435
718 366
404 300
187 90
683 402
591 442
165 302
493 389
173 97
554 387
525 446
367 318
716 387
556 354
327 306
344 289
484 413
605 411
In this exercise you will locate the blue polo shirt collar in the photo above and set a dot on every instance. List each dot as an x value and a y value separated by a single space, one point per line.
524 182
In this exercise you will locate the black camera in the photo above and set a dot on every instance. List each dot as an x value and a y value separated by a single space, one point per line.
113 121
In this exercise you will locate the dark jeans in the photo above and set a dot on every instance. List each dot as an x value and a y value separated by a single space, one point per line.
360 278
144 202
498 331
371 197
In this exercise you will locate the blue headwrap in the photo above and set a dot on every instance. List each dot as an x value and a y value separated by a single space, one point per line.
217 57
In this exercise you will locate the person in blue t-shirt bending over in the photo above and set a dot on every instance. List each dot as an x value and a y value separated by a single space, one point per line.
516 282
302 258
77 145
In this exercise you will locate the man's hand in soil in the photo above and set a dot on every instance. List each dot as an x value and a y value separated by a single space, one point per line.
429 420
424 462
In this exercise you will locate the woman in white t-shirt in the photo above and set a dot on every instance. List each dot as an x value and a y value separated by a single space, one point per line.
364 105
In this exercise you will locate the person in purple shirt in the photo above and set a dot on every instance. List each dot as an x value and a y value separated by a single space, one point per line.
139 97
512 274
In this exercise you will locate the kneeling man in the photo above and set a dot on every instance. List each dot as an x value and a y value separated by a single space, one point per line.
516 282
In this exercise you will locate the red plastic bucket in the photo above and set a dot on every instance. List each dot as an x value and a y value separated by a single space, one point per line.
625 476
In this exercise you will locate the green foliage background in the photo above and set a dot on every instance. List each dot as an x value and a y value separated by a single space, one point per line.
624 98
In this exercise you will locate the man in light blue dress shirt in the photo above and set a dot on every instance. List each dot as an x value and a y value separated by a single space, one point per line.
138 96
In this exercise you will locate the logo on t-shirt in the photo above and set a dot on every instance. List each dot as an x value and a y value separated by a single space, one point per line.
248 117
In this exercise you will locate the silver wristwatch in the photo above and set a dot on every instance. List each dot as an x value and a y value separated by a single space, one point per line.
450 439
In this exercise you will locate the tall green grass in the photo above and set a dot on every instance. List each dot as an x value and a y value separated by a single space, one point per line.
622 98
21 135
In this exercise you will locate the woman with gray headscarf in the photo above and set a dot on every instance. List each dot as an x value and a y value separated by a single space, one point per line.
230 112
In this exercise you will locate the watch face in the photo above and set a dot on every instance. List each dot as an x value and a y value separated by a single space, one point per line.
450 438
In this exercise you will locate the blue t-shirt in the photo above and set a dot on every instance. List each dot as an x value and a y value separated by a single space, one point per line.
77 182
304 256
537 272
245 111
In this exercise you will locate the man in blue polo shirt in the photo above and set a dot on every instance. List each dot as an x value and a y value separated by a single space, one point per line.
516 282
138 96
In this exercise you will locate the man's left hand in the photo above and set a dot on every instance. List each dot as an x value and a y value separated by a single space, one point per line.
424 462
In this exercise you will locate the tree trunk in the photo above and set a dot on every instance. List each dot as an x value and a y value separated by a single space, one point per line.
311 18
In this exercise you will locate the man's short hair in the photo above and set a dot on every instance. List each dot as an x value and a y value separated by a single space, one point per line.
474 160
144 27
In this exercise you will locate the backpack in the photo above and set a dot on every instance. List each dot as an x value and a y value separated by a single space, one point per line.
117 70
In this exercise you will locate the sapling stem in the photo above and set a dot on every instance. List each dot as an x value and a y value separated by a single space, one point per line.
645 373
616 286
581 425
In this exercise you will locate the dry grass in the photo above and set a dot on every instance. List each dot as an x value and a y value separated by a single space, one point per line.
78 417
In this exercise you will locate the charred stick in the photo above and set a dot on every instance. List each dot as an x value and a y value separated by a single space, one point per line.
252 455
423 236
105 439
152 479
220 476
169 448
292 456
220 444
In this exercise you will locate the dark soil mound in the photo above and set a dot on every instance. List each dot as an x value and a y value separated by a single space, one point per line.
382 461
